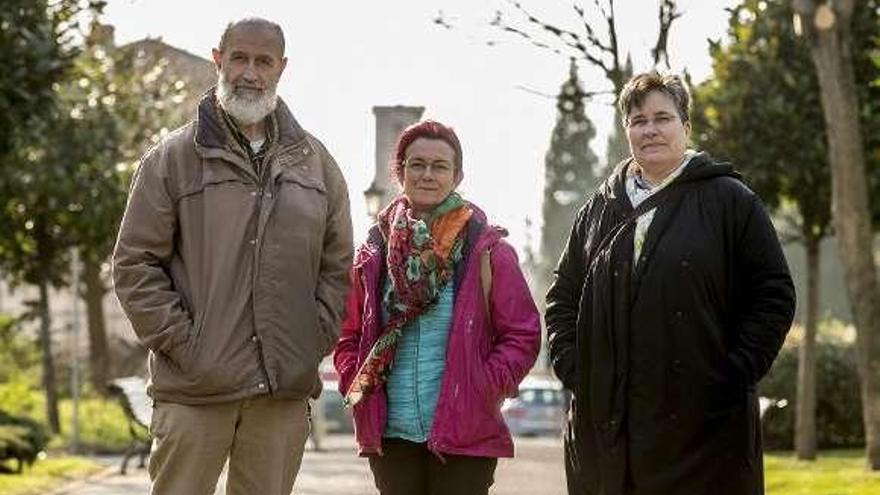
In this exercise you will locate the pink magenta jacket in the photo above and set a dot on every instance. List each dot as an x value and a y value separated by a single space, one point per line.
486 357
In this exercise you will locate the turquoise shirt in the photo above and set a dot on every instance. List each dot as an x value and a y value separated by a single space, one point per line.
414 381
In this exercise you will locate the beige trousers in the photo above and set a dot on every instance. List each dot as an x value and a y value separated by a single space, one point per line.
263 439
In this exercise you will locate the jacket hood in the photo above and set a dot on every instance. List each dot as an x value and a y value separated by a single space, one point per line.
701 167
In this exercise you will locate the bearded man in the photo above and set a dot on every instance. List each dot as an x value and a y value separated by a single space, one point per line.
231 264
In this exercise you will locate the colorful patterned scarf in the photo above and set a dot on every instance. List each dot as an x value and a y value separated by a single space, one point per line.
421 259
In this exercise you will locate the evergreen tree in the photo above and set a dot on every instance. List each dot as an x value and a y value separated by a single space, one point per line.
37 43
568 172
66 185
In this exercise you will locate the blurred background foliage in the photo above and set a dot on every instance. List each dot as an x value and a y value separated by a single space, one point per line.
839 405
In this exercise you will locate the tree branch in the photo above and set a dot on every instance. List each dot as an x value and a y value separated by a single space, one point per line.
569 39
529 38
667 15
535 92
441 20
592 39
588 45
602 9
615 74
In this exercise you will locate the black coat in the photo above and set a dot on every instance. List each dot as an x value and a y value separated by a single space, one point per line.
662 359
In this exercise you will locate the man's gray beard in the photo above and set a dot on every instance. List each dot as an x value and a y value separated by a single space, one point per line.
245 110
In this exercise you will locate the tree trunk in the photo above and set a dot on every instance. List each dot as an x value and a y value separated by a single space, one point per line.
805 418
99 356
48 361
618 143
831 53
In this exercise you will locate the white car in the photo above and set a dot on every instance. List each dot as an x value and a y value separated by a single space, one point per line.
539 409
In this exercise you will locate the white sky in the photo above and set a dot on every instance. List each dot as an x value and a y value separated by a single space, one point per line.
346 57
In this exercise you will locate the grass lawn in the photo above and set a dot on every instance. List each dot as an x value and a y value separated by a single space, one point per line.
47 474
835 472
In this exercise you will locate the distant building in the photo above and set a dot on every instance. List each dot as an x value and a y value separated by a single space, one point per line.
197 73
390 121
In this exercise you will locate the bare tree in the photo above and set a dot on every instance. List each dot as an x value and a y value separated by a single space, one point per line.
667 15
593 43
597 46
827 26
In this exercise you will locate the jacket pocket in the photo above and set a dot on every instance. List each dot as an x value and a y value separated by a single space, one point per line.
491 394
177 357
305 197
299 176
295 229
184 357
724 397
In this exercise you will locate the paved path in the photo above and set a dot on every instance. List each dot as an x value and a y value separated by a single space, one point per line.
337 471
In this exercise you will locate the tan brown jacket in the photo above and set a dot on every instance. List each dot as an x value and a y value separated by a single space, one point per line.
237 289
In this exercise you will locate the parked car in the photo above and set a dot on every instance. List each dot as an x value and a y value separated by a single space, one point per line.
539 409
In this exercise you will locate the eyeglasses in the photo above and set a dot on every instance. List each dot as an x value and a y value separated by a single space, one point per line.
418 167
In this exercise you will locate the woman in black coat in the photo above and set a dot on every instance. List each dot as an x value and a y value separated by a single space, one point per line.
671 300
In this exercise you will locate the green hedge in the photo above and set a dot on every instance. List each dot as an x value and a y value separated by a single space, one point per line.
838 408
103 427
21 439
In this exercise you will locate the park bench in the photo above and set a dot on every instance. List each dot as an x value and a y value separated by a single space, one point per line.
131 392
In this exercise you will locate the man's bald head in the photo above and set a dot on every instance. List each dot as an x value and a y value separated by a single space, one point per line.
252 23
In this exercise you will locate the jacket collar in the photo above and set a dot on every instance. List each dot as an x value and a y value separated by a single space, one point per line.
700 167
212 140
210 133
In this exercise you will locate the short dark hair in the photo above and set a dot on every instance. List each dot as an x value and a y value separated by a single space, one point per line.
640 86
428 129
254 22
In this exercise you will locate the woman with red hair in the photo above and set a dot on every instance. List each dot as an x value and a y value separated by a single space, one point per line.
440 326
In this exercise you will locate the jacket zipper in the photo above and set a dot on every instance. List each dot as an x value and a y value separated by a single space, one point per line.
255 243
432 444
